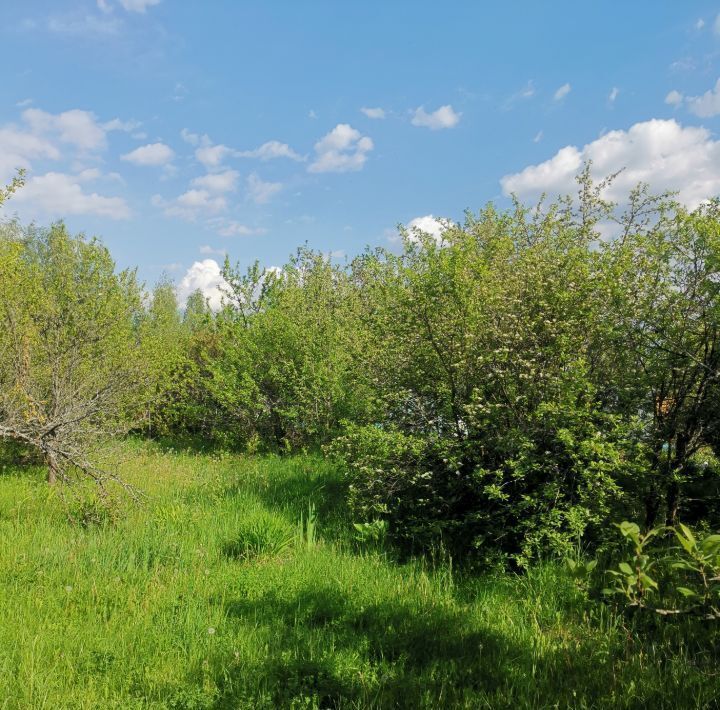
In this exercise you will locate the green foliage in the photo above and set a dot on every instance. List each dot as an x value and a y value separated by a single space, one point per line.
686 578
505 391
632 579
70 368
261 535
502 392
308 529
372 533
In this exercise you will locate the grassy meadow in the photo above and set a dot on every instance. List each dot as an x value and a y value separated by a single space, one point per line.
217 592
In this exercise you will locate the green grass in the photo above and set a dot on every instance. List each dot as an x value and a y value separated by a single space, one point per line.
214 594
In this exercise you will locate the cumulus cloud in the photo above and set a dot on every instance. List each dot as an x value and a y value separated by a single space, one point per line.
190 137
153 154
662 153
72 136
211 156
205 276
260 191
207 250
75 127
443 117
708 104
225 181
237 229
118 125
674 98
375 113
271 150
428 224
561 92
59 194
191 204
18 148
343 149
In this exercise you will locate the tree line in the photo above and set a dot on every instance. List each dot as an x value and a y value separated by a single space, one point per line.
507 389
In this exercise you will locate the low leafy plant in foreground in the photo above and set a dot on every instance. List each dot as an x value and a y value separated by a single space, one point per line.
679 579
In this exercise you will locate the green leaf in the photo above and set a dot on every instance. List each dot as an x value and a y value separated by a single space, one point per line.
710 544
648 581
630 530
686 592
625 568
687 532
688 545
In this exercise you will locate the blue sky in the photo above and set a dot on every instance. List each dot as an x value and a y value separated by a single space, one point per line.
179 130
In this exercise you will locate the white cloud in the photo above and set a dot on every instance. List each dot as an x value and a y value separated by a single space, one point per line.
613 94
527 92
443 117
59 194
18 148
260 191
342 150
74 136
662 153
562 92
428 224
538 137
211 156
269 151
190 205
152 154
211 251
674 98
205 276
217 182
75 127
208 153
138 5
236 229
708 104
201 199
117 125
376 113
700 24
189 137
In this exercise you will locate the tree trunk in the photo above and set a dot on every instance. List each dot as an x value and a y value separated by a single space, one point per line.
672 500
672 494
652 508
52 465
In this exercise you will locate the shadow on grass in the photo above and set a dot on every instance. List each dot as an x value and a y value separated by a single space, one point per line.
329 649
293 484
403 655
